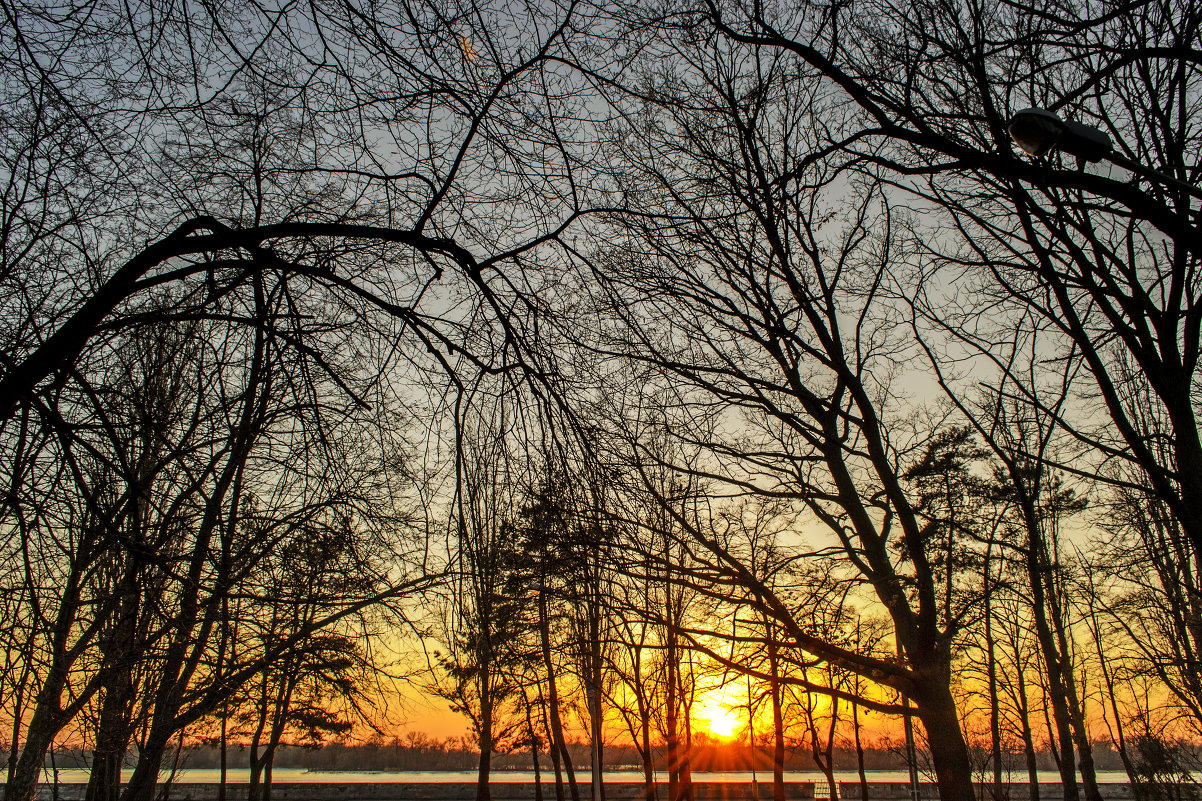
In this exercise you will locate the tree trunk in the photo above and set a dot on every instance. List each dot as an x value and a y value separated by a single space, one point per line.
995 724
855 726
1120 734
778 720
671 744
1089 776
1020 688
555 755
48 718
645 736
257 761
17 711
594 699
482 775
559 744
142 783
28 769
1187 453
1036 567
822 751
113 734
279 722
223 757
686 752
949 753
538 775
268 769
911 753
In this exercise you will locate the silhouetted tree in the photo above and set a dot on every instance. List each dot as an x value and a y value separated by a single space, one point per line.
771 318
920 96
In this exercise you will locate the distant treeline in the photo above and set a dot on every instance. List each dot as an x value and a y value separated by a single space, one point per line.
420 752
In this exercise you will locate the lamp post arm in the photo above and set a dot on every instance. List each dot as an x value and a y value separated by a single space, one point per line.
1147 172
1038 131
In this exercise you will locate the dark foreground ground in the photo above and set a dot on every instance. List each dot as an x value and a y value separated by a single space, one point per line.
703 791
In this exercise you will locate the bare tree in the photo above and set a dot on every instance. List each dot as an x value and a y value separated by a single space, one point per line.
265 163
212 169
492 599
735 276
318 686
546 518
1152 595
920 98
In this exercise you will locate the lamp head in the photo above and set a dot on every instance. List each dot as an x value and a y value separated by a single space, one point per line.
1038 131
1035 130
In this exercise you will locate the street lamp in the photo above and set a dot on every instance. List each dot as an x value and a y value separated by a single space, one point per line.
1038 131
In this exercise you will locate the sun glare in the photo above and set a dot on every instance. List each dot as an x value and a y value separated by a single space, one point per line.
723 722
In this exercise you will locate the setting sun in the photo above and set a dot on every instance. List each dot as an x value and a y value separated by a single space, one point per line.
722 721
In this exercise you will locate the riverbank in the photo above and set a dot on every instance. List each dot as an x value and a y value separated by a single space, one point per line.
527 791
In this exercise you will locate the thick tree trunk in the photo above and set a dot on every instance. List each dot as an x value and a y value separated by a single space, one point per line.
142 783
47 720
268 769
112 739
120 645
18 714
1064 737
949 753
28 770
49 715
1187 453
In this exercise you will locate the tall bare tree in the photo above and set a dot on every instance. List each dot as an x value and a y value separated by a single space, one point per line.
739 271
919 96
209 169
